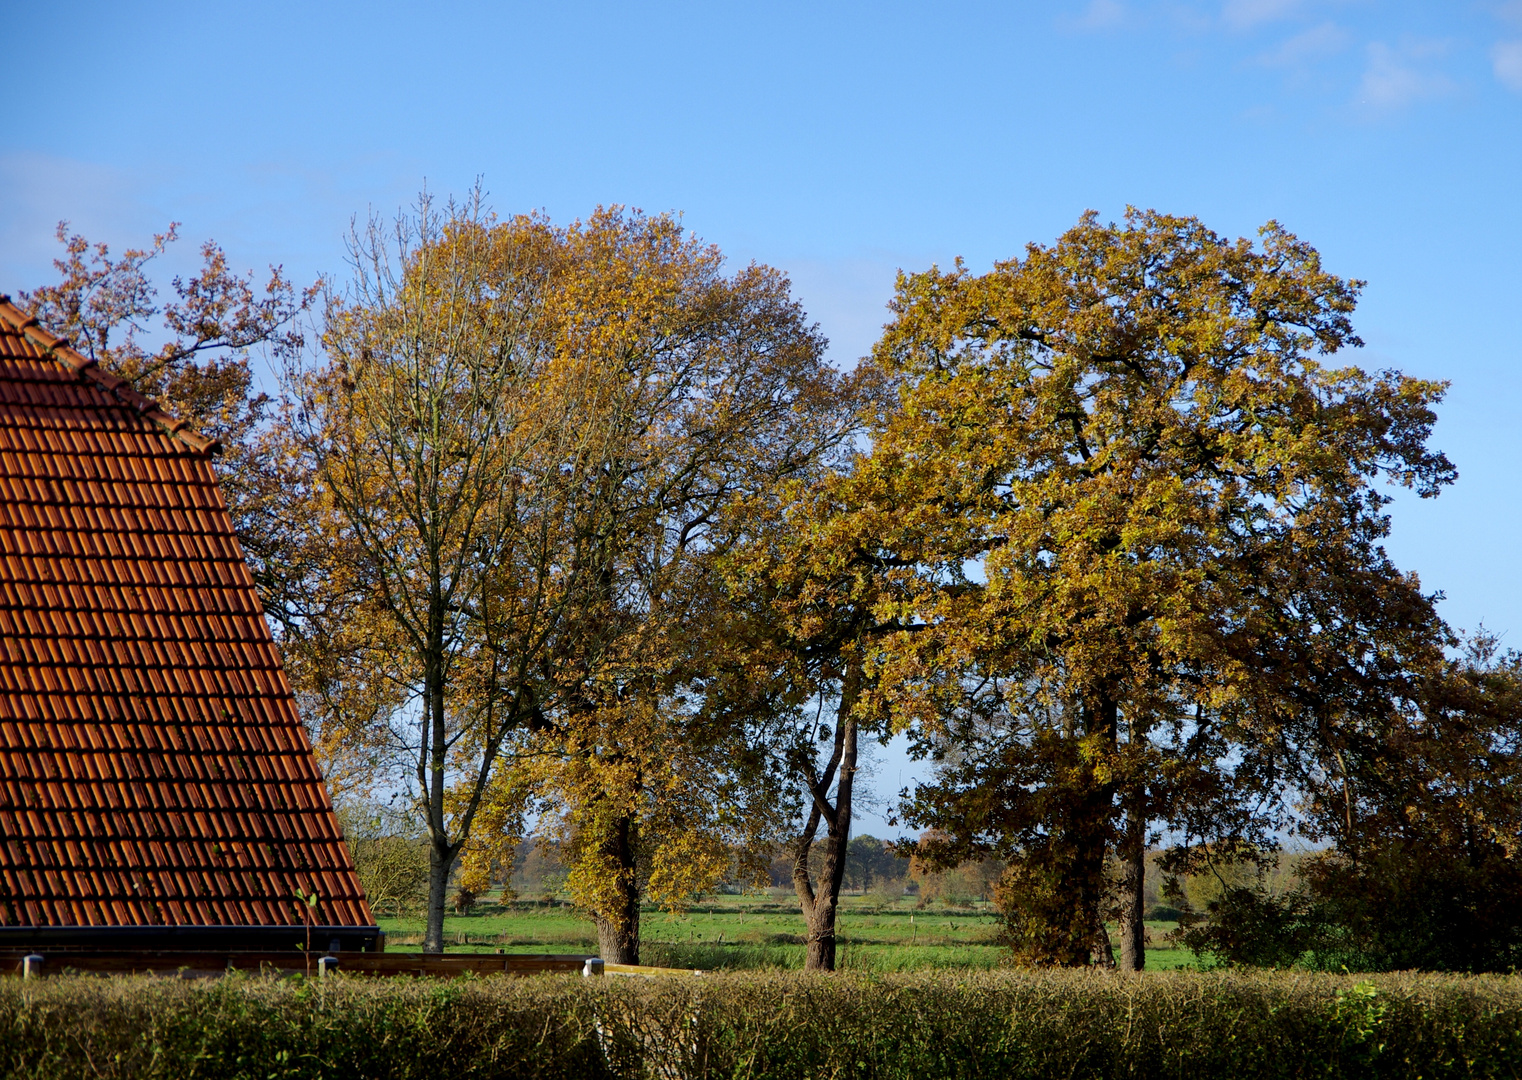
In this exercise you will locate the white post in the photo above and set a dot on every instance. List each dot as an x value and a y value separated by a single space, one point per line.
31 966
593 966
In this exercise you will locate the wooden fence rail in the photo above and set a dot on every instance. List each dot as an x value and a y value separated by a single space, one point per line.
382 964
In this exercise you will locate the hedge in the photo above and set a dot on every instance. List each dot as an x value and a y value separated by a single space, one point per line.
1038 1025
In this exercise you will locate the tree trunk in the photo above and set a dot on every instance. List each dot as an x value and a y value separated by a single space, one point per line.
1133 878
821 920
1090 836
440 852
802 884
821 906
618 929
618 943
1102 953
820 952
440 862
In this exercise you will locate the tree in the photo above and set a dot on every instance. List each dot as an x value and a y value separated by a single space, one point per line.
870 861
441 429
1144 528
200 370
817 597
194 354
1428 874
390 855
1425 825
711 391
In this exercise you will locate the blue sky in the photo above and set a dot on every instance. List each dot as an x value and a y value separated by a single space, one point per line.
839 142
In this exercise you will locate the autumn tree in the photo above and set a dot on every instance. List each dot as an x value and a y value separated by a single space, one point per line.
193 353
1145 523
1419 824
711 390
1426 825
440 427
817 594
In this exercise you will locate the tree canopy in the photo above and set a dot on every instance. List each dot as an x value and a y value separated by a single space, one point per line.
711 392
1144 521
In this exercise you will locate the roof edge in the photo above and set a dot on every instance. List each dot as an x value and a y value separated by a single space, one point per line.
87 370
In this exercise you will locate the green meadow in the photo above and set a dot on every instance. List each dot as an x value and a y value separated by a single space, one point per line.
757 932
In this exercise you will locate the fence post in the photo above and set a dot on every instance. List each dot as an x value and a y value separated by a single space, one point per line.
326 965
31 965
593 966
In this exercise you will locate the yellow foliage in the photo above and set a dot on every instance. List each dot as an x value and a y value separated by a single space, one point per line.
1126 521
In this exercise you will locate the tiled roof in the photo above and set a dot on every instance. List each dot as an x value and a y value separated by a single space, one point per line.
153 770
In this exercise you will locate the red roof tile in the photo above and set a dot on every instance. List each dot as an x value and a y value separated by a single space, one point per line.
153 769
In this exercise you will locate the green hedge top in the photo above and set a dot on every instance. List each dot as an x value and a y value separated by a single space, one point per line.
1038 1025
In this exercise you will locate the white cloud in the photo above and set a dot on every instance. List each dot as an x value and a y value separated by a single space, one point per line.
1306 46
1506 58
1245 14
1101 15
1395 77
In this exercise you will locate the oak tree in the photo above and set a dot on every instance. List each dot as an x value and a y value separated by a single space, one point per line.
192 353
1145 522
1420 826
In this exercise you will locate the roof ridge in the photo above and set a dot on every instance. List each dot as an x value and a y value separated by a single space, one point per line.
87 370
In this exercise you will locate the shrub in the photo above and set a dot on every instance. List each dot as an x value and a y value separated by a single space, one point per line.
1071 1024
245 1027
1383 914
390 855
1395 911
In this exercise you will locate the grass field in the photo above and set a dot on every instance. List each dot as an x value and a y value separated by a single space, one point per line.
754 932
